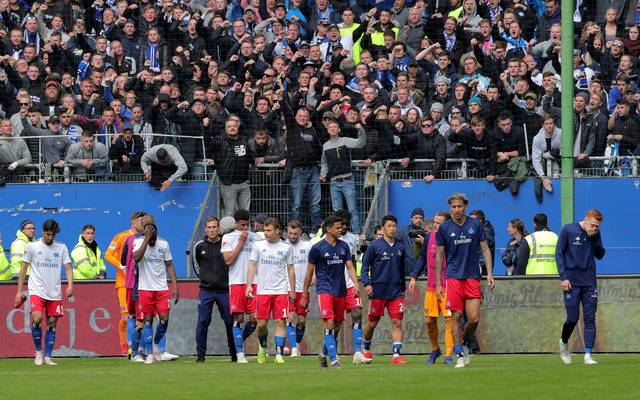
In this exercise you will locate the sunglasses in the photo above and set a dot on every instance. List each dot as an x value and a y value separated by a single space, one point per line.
24 104
427 125
618 45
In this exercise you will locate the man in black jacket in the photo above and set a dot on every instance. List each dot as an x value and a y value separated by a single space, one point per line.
428 144
303 156
126 152
232 157
209 266
507 150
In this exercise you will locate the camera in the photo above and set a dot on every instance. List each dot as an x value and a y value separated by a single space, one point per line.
415 232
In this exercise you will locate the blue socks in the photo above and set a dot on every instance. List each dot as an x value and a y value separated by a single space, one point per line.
238 338
49 341
587 350
147 337
36 334
356 332
397 346
458 349
330 343
131 327
366 344
248 330
160 338
279 344
299 333
263 341
136 337
291 335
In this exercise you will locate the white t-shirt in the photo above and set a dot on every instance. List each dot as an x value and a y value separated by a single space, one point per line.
300 252
152 270
45 265
238 270
273 261
350 239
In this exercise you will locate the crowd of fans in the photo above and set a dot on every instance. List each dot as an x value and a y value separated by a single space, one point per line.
286 83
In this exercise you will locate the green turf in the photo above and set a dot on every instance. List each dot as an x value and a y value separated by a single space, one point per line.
488 377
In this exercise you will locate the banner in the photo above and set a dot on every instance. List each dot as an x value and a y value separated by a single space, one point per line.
520 316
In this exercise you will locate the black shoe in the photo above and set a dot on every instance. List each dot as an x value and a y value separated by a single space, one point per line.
514 187
200 359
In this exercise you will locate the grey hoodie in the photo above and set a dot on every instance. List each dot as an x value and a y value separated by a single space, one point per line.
13 149
540 146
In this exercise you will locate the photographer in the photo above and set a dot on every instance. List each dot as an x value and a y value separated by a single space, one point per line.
412 235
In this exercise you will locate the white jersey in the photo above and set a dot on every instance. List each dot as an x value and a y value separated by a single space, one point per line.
152 270
300 252
350 239
238 270
45 264
273 261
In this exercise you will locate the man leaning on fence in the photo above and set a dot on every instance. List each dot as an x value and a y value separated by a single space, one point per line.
125 153
233 158
162 165
14 154
86 158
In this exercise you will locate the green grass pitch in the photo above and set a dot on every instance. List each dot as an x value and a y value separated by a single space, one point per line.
512 377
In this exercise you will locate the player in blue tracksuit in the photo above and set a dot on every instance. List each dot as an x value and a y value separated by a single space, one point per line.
579 244
383 278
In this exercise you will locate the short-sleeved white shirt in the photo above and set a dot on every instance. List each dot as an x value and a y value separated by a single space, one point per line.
45 265
273 261
300 252
152 270
238 270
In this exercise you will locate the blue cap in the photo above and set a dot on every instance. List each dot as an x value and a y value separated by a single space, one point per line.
475 99
127 125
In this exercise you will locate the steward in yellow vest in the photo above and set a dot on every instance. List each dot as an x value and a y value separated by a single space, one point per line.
86 256
24 235
537 253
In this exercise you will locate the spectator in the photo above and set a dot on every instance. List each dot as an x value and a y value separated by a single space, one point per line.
303 155
474 143
623 129
126 152
517 232
508 164
162 166
233 158
54 149
428 144
266 149
87 157
599 124
546 146
14 154
87 257
335 167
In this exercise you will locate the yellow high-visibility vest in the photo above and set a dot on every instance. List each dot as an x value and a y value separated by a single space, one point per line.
542 253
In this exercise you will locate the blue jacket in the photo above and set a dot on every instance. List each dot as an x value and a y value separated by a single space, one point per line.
383 267
576 254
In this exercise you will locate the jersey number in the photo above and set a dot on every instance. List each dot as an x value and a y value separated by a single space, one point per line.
59 309
284 313
401 307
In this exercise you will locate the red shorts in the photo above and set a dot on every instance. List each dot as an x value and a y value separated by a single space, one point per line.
395 308
272 304
460 290
296 307
351 301
238 300
331 307
51 308
152 302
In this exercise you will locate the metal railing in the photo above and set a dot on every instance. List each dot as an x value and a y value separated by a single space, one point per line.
43 172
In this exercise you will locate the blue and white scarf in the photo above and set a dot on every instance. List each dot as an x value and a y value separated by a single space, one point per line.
152 55
450 41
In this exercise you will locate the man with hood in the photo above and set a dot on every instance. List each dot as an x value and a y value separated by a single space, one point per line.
546 143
